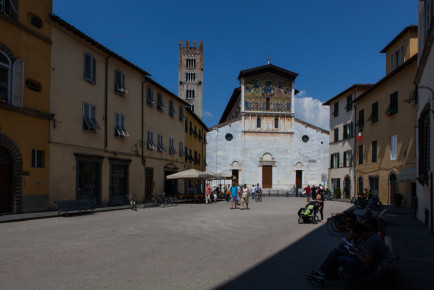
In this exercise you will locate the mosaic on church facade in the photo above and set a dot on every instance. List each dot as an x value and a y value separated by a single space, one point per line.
267 93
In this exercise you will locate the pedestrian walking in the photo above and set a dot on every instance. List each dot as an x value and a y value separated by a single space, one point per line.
207 193
253 191
234 195
320 199
245 197
307 189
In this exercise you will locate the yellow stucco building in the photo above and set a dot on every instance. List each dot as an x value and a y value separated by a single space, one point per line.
116 132
386 124
25 43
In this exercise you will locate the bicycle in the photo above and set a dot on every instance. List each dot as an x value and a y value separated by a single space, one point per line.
133 202
258 196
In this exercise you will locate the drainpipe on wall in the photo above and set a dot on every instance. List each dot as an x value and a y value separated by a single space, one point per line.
142 127
431 199
105 102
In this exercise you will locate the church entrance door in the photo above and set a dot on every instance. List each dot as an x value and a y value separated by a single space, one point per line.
235 176
267 176
298 178
6 197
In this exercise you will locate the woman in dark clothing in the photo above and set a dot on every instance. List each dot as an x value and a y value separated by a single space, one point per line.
320 199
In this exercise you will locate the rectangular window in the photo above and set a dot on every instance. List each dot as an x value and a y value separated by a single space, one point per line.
195 157
119 127
397 58
349 105
181 114
172 150
160 102
89 118
89 68
334 160
150 141
374 115
336 139
172 111
191 128
186 125
374 151
360 154
190 156
186 154
258 122
200 135
149 96
119 82
160 145
361 121
348 131
393 147
195 132
336 109
348 158
276 123
393 106
38 157
181 149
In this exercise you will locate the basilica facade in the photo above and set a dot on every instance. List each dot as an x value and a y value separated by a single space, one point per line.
258 139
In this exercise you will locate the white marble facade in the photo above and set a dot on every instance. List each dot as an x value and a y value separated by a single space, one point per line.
239 143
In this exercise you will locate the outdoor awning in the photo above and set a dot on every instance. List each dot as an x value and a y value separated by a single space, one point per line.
407 175
190 174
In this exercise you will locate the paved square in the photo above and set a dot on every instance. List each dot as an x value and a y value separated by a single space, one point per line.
193 246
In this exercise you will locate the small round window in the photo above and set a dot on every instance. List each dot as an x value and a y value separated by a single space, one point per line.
229 137
305 138
33 85
36 21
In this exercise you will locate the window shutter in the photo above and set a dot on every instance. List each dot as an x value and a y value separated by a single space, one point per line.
92 112
93 69
18 83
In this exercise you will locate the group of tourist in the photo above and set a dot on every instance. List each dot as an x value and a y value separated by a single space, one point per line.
317 195
240 195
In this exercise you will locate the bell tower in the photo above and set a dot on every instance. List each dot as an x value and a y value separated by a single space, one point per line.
190 75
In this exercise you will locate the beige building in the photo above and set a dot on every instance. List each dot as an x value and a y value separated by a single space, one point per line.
386 124
116 132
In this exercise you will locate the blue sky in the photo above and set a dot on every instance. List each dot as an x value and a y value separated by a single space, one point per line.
330 44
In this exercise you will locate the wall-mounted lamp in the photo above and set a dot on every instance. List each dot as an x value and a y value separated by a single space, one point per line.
414 95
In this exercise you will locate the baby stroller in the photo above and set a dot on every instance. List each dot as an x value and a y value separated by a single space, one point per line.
309 213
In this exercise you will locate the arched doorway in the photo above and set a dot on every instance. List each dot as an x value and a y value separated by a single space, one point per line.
393 186
6 178
347 187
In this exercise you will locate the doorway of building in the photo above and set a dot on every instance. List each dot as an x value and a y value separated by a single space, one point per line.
170 185
149 183
235 173
347 187
6 196
299 178
393 186
267 176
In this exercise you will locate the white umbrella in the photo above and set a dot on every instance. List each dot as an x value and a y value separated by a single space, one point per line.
225 175
190 174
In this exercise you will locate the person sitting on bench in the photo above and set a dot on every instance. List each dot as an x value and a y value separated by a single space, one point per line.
355 264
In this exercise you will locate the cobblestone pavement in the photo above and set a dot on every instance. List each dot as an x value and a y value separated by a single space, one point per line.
181 247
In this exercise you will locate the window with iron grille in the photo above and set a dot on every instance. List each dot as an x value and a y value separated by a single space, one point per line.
374 115
360 154
150 141
374 151
172 150
119 82
160 145
149 96
89 122
89 68
336 137
119 127
38 159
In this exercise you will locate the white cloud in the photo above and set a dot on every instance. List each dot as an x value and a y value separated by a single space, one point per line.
207 114
312 111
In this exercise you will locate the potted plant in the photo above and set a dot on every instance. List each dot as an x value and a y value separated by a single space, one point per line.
337 192
397 199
